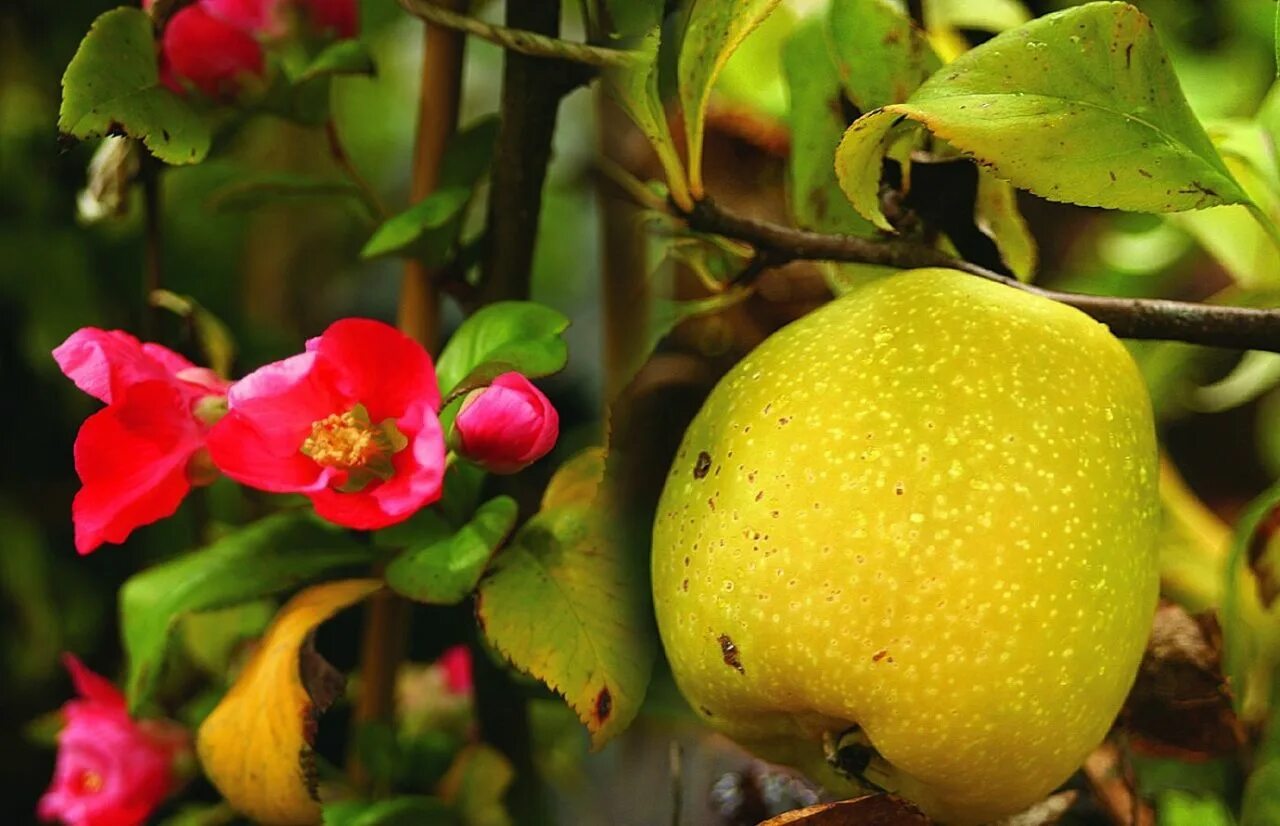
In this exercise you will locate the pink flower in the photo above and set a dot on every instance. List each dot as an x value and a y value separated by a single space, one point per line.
211 48
455 662
111 770
339 17
351 423
137 458
506 426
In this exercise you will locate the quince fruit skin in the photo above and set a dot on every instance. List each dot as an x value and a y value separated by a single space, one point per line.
927 510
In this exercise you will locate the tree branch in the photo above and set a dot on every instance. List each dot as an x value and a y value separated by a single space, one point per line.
531 93
523 41
1241 328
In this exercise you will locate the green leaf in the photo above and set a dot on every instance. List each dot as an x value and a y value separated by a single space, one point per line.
1261 803
816 122
272 555
429 229
715 29
634 17
261 190
564 604
1256 373
112 86
1250 621
344 57
1232 234
635 89
211 638
398 811
215 339
996 214
426 230
476 783
1177 808
880 55
445 571
1033 104
523 334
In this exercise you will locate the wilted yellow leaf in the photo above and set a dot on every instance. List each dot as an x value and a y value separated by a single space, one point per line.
256 745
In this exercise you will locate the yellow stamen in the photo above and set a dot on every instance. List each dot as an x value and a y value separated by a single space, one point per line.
91 781
341 440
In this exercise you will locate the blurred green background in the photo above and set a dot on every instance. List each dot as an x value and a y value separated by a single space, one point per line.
278 273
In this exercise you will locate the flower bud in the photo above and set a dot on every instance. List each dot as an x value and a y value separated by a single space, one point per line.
506 426
212 54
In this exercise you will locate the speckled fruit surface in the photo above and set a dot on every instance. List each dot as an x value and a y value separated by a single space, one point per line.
927 510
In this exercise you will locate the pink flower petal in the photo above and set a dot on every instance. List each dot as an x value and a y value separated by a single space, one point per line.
283 399
379 367
103 363
131 458
241 451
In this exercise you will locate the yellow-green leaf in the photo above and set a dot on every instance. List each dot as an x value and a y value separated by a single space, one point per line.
714 31
256 745
565 604
1079 106
635 89
996 214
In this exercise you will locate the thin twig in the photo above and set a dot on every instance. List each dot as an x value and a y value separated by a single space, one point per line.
1240 328
341 157
520 40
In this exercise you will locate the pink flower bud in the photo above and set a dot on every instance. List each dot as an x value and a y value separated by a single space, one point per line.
111 769
455 662
506 426
211 53
337 17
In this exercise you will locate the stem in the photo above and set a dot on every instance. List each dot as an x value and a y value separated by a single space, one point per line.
1240 328
438 99
340 156
153 245
624 284
525 42
531 92
386 629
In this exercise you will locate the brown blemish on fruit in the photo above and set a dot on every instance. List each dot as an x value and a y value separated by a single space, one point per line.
732 656
879 655
701 466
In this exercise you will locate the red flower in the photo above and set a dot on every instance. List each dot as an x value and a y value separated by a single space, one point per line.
211 48
137 458
111 770
507 425
339 17
351 423
455 662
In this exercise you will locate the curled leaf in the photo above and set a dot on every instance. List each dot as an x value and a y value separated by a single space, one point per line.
256 745
1033 104
868 810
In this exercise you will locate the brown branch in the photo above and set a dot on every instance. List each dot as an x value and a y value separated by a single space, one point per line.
386 628
531 91
1213 325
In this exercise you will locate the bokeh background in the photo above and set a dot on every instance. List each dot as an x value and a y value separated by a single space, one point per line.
277 273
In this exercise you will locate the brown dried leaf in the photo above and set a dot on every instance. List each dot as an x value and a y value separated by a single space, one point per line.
1045 813
1180 705
869 810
